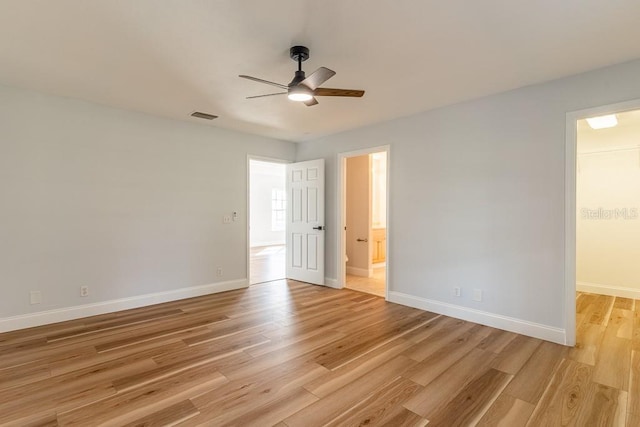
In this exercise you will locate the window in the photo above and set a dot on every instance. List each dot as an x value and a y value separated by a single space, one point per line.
278 209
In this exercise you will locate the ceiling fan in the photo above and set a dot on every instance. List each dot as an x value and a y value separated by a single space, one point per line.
302 88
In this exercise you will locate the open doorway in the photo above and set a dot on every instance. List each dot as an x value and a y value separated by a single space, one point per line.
602 226
606 245
608 205
267 221
363 265
607 220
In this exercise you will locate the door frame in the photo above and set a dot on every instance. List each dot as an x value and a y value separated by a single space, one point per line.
248 229
342 210
571 145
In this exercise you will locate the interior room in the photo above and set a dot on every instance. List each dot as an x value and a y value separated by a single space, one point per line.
267 221
127 130
607 245
608 205
366 223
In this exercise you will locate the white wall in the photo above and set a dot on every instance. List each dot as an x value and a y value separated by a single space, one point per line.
608 221
125 203
131 204
358 220
265 177
477 199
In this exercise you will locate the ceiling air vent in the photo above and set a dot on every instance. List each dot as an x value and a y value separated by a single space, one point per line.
205 116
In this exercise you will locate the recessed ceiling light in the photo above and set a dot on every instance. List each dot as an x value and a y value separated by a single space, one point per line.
603 122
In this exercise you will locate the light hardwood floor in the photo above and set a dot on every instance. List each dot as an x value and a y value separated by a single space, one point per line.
290 354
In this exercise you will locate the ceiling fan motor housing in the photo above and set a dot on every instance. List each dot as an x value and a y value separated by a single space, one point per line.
300 76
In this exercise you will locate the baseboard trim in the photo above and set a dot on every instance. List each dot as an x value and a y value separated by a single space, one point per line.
612 290
70 313
332 283
536 330
362 272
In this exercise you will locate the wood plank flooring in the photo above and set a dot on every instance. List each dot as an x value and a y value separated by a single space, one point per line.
290 354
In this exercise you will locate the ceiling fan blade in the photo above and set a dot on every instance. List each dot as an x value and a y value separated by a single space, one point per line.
324 91
268 94
318 77
311 102
255 79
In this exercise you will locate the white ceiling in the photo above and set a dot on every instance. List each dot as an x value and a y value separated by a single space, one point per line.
172 57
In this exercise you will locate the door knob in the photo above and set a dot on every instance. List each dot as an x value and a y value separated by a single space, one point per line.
319 228
362 240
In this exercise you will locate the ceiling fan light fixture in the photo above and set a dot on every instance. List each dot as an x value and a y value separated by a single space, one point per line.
305 88
299 94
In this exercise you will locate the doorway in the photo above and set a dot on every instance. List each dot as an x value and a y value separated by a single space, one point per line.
363 263
267 221
602 221
608 205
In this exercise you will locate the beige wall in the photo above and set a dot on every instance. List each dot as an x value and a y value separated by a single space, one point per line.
379 190
608 241
358 215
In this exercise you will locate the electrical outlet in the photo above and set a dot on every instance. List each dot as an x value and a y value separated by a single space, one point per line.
35 297
477 294
456 291
226 219
219 272
84 291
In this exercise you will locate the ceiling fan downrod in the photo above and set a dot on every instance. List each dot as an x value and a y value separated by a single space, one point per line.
299 54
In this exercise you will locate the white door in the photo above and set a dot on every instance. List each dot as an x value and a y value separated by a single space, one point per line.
305 221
